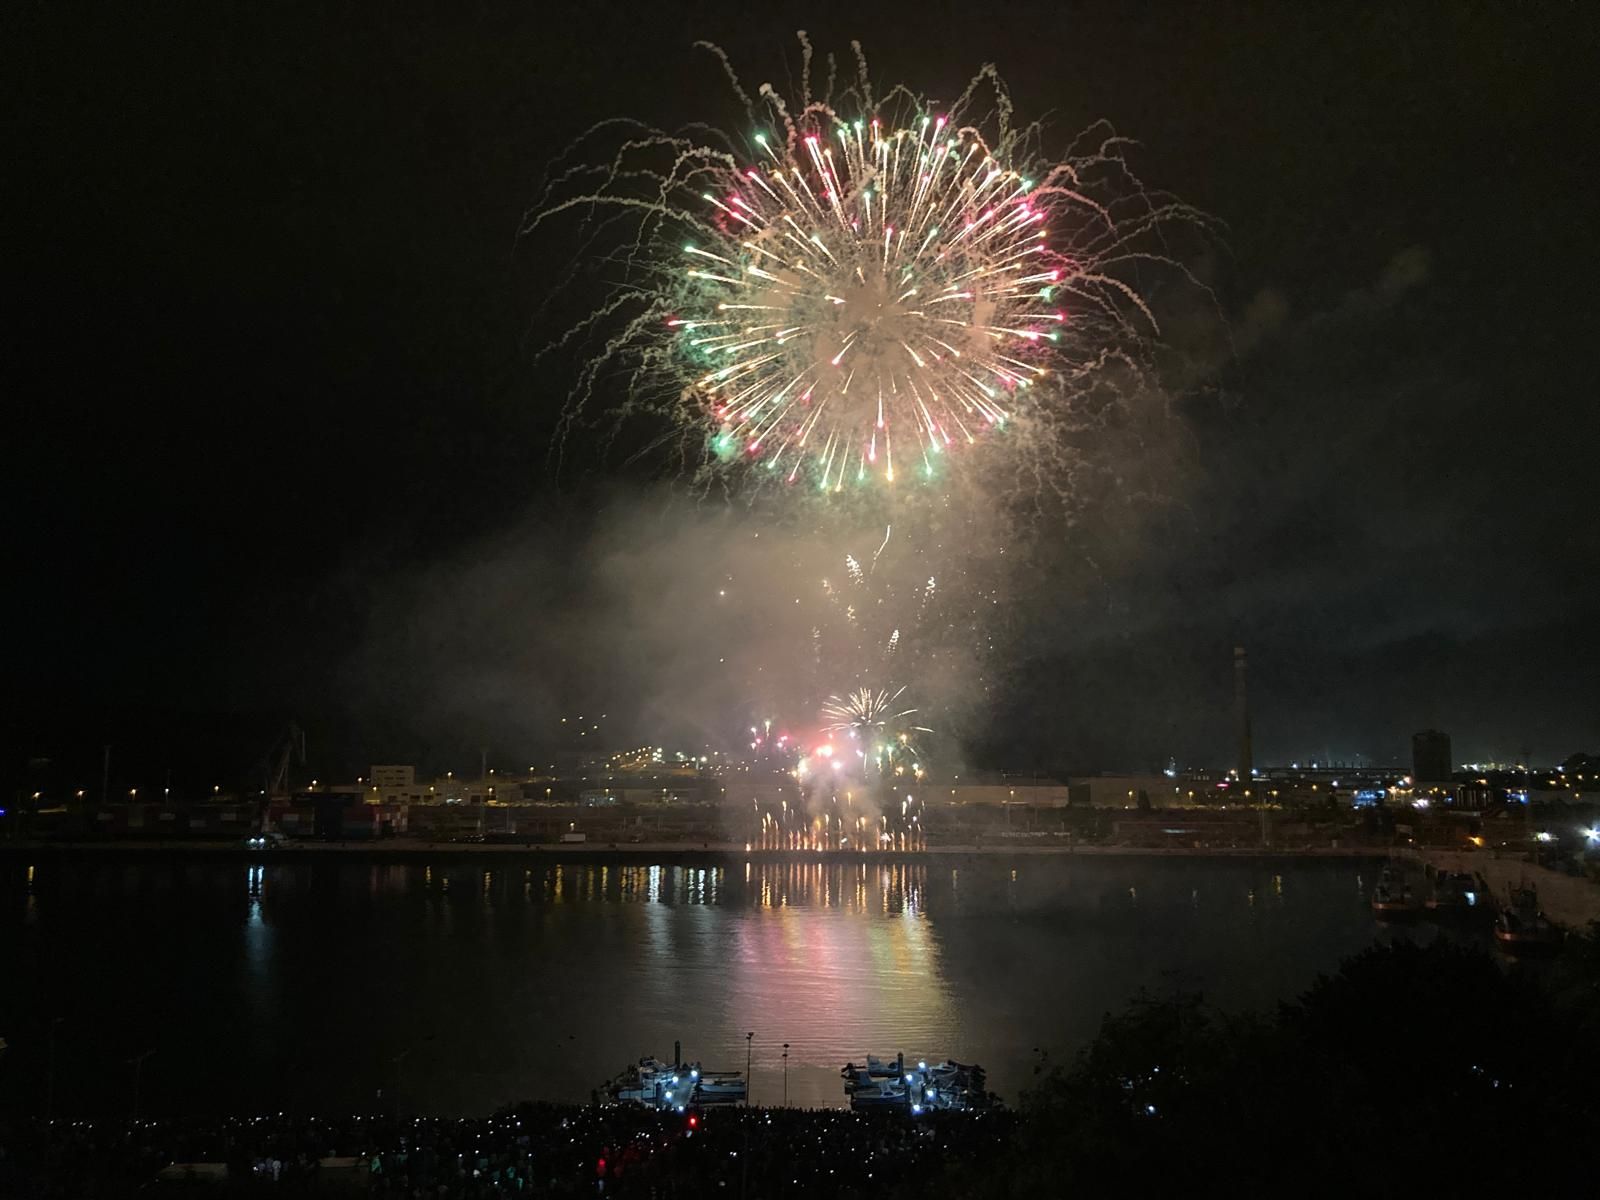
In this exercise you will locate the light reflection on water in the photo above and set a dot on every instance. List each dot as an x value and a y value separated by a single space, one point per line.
300 984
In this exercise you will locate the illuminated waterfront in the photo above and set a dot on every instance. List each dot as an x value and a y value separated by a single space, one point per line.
295 984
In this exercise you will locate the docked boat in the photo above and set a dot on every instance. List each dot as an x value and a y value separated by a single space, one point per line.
916 1088
720 1087
884 1094
1452 892
879 1068
651 1083
1521 928
1392 899
676 1086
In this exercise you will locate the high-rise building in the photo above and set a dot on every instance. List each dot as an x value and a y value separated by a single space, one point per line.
1430 756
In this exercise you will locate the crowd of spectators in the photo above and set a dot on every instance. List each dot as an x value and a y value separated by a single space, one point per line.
530 1150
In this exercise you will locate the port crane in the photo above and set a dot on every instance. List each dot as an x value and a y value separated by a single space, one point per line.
288 750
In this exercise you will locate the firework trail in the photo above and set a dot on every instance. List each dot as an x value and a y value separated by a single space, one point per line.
869 612
880 636
854 290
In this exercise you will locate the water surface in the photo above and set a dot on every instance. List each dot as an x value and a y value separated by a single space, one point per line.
318 985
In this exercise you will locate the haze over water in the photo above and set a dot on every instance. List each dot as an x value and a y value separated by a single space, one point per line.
311 986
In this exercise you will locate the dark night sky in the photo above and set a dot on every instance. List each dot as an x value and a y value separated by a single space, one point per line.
269 395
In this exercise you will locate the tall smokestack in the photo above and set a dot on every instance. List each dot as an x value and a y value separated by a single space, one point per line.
1241 718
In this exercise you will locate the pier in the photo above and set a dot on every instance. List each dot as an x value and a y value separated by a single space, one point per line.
1568 900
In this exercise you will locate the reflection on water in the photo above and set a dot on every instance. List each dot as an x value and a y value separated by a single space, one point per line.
257 933
302 984
858 887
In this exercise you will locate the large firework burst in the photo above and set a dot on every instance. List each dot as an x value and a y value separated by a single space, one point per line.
850 289
887 284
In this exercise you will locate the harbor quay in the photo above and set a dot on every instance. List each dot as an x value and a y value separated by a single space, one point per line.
1568 900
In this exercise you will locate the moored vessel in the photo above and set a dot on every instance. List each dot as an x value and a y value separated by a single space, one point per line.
916 1088
676 1086
1521 927
1392 898
1452 892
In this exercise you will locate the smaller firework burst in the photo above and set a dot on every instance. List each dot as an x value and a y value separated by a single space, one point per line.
884 732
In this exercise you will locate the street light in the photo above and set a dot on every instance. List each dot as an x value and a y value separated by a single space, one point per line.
398 1061
50 1078
137 1063
748 1039
786 1074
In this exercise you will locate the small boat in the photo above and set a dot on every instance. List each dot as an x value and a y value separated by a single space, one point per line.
675 1086
1392 900
721 1087
887 1094
915 1087
1452 892
1521 928
881 1068
648 1082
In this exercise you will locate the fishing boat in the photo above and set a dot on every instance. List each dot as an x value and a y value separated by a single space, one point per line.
1521 928
651 1083
917 1087
676 1086
883 1094
1392 899
1453 892
720 1087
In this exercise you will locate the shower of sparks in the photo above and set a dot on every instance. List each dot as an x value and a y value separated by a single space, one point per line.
872 717
848 293
866 287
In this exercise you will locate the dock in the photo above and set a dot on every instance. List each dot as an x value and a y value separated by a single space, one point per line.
1568 900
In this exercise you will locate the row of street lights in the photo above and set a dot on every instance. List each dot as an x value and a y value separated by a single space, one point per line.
749 1041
